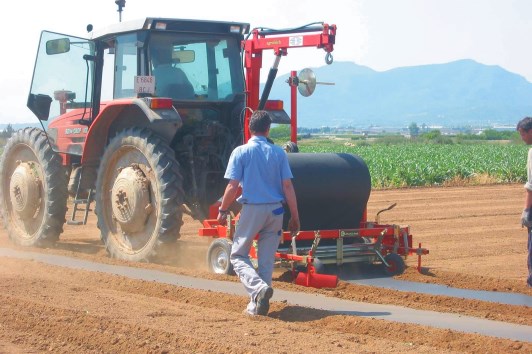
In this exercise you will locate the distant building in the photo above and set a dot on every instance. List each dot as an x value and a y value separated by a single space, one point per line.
503 128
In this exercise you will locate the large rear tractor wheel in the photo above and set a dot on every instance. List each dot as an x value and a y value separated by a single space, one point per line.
139 195
33 189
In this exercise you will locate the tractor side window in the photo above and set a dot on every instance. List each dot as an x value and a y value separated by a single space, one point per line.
225 88
196 70
108 74
125 66
210 72
59 82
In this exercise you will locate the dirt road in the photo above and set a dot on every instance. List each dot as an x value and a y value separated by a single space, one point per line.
473 235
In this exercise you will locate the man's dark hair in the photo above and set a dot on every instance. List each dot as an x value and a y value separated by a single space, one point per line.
260 122
525 124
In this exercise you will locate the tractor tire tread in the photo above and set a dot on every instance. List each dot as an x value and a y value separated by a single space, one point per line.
55 181
170 190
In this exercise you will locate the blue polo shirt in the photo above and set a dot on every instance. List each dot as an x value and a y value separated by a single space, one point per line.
260 168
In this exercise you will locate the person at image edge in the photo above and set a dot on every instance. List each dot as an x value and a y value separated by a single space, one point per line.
525 130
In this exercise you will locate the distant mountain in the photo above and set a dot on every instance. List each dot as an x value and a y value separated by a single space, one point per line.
454 94
459 93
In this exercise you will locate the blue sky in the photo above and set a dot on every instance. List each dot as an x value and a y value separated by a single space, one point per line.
381 34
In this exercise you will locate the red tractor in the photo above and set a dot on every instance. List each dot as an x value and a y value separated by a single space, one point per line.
146 116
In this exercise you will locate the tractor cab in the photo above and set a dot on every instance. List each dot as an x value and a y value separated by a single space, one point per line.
195 64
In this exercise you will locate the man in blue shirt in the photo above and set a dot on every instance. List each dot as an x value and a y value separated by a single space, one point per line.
262 170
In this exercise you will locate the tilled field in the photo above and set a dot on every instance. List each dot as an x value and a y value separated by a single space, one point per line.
475 242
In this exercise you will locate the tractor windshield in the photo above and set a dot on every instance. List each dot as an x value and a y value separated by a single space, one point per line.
195 66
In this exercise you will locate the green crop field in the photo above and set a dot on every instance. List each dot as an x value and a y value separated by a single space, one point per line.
436 164
427 164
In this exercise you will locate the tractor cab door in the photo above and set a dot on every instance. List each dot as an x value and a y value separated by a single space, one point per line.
62 80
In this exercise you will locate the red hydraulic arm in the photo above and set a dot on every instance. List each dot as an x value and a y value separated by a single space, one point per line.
319 35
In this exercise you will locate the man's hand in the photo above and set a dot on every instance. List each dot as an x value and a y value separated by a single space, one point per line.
526 218
222 217
293 225
231 191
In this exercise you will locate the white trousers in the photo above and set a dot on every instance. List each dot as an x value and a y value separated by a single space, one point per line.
266 221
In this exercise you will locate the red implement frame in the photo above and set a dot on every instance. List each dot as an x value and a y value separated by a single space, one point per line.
377 240
320 36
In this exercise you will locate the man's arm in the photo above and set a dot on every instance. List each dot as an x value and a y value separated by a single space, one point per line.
528 184
526 216
290 196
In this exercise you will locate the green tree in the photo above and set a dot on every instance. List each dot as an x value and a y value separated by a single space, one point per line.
280 133
413 129
432 135
492 134
7 132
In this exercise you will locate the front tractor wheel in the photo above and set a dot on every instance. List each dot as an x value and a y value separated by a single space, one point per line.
33 189
138 195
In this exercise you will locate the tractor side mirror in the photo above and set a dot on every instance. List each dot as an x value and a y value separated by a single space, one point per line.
57 46
40 105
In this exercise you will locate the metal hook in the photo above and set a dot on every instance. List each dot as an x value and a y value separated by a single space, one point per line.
328 58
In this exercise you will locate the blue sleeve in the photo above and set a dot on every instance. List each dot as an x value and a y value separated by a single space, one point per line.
234 167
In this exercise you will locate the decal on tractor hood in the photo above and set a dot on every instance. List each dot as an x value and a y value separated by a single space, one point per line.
69 131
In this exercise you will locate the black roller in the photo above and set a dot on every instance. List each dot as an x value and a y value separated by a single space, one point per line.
332 190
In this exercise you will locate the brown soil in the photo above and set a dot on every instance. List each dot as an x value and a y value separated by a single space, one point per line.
475 242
